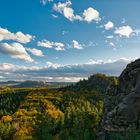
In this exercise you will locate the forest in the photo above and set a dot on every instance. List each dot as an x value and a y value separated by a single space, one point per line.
73 112
40 114
52 114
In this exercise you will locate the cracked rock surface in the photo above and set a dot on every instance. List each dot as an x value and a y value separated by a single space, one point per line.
122 102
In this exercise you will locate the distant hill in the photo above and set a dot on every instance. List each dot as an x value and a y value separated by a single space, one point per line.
9 83
30 84
34 84
98 82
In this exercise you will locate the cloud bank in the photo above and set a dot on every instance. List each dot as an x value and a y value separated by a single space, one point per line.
15 50
19 36
57 72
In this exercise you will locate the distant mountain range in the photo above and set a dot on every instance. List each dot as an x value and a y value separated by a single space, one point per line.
33 84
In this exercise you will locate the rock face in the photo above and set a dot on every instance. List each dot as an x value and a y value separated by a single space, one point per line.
122 102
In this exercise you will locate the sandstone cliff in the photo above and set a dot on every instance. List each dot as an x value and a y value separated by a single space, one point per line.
122 101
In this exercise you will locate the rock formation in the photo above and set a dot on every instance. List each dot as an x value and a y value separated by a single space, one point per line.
122 102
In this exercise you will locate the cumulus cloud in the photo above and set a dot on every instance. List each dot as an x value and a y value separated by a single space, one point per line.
69 14
65 9
109 25
91 14
45 43
59 7
19 36
59 46
57 72
35 51
125 31
48 44
77 45
15 50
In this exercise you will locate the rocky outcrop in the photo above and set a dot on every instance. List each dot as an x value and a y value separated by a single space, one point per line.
122 102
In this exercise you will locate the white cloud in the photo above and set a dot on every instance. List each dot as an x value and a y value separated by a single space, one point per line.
22 38
91 15
124 31
58 72
35 51
111 61
6 67
77 45
111 44
61 6
48 44
69 14
53 65
66 10
59 46
109 37
54 16
45 43
93 62
15 50
13 68
19 36
109 25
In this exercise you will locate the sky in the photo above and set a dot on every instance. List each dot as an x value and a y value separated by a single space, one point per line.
66 40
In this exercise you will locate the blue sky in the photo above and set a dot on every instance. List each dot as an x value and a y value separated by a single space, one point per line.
52 33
